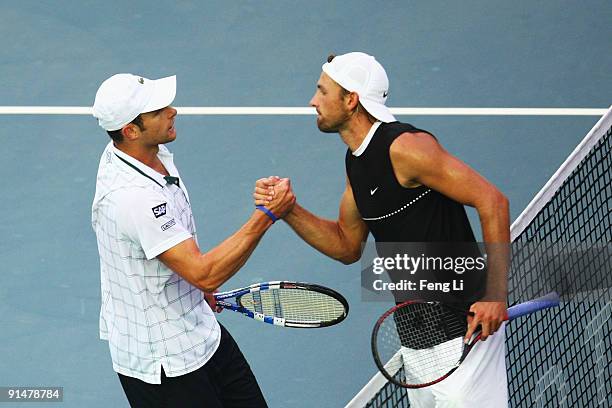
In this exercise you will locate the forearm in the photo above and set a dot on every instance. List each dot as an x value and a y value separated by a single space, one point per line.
223 261
495 221
325 236
209 270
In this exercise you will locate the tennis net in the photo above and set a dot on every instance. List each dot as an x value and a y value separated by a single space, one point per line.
561 358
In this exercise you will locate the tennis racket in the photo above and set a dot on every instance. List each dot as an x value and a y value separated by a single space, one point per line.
287 304
425 339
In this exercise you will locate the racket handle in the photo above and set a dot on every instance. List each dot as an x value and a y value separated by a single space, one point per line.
549 300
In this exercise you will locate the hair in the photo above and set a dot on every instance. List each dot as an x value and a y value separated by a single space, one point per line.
116 134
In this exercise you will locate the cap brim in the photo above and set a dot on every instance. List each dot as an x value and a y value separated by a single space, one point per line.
163 93
379 111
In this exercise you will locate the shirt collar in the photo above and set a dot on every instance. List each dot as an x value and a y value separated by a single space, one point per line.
164 155
366 141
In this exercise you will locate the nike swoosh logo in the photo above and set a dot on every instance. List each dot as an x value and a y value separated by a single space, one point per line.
373 191
385 94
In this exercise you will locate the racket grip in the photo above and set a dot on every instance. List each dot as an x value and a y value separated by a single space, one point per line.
547 301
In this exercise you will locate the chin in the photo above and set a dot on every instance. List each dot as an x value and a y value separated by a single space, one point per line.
326 129
168 140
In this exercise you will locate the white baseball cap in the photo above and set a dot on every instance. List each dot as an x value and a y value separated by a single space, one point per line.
122 97
361 73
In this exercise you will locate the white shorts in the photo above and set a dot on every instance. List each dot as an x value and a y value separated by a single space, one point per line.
479 382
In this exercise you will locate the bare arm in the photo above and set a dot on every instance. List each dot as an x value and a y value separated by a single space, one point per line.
419 159
340 239
209 270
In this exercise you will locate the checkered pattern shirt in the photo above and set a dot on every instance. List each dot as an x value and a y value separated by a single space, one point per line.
150 316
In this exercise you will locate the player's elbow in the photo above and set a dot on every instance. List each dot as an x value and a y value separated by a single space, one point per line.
350 257
347 247
205 277
208 281
500 201
348 261
201 280
206 286
494 201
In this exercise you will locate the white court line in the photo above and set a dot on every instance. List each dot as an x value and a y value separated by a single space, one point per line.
282 110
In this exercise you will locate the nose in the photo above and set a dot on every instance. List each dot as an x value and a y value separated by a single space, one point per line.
313 101
172 111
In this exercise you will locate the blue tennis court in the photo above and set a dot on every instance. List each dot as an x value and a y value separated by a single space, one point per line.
483 54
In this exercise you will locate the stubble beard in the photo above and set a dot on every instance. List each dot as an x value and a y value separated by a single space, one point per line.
331 127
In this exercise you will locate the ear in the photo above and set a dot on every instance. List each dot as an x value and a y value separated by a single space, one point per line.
352 100
130 132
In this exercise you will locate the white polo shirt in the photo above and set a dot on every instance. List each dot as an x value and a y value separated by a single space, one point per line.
150 316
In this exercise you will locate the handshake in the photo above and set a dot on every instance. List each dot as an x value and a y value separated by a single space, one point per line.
275 194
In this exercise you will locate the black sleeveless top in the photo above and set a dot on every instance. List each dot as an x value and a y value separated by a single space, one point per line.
396 214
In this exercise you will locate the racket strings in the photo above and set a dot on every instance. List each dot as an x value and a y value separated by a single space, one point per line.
423 339
278 307
294 304
257 305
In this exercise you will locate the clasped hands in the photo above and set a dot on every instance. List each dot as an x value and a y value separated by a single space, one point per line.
275 194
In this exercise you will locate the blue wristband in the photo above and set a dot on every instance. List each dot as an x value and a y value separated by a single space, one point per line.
269 213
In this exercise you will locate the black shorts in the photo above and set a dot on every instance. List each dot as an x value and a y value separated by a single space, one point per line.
225 381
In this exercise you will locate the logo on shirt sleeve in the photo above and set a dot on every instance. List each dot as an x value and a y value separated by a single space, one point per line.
168 225
159 210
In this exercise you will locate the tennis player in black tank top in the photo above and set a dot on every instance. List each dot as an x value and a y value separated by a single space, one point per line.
398 214
402 186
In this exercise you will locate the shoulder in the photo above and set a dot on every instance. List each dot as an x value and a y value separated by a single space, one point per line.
414 145
413 155
108 149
